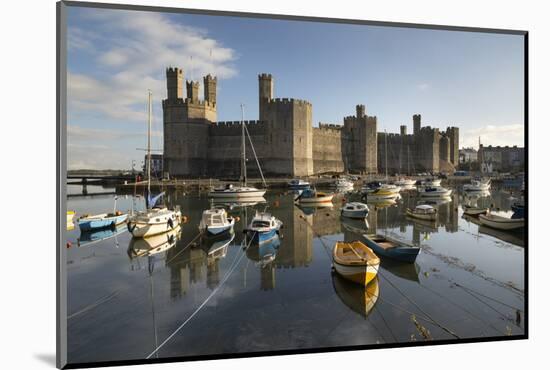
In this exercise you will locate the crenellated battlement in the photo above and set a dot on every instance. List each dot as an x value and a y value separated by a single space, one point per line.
174 70
233 128
330 126
188 102
222 124
289 101
265 76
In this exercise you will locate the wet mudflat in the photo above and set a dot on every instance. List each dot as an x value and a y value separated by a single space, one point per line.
197 297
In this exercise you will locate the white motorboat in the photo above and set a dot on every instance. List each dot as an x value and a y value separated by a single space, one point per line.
314 197
423 212
354 210
263 227
478 185
215 221
154 220
230 191
501 223
434 191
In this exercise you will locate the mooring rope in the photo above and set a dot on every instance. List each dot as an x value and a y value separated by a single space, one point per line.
184 248
233 265
426 317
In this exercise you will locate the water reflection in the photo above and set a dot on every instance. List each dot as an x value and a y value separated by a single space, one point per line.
91 237
155 244
265 255
358 298
288 281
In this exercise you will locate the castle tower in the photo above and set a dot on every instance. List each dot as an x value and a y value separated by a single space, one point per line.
403 130
174 83
266 86
416 124
193 91
210 89
360 110
360 155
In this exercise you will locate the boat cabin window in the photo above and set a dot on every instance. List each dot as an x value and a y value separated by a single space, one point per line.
260 224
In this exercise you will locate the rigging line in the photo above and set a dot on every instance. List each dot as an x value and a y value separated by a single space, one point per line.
385 322
425 318
418 307
93 305
235 263
184 248
464 309
502 315
492 299
255 156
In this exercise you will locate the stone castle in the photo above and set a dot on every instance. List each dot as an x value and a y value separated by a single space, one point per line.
196 144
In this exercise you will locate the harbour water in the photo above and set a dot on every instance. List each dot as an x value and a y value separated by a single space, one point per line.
194 297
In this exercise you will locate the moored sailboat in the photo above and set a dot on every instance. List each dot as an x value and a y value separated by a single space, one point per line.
156 219
242 191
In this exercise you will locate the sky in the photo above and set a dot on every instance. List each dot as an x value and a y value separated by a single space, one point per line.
467 79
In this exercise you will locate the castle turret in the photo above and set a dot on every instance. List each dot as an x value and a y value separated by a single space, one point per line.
265 82
174 83
266 86
193 91
210 89
403 130
360 111
416 124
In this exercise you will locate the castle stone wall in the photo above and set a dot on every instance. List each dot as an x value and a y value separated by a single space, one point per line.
327 149
286 144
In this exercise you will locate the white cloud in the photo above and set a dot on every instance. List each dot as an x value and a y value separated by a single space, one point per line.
423 86
121 55
493 135
131 51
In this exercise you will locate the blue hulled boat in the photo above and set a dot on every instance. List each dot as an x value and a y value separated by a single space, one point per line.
102 221
397 250
263 227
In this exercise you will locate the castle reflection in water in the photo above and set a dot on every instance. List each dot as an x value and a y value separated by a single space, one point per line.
191 265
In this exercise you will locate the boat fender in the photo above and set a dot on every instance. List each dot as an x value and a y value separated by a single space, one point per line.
170 223
130 227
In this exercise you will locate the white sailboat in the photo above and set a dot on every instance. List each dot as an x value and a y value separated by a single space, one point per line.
154 220
231 191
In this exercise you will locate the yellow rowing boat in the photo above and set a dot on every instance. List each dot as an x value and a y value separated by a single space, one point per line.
355 262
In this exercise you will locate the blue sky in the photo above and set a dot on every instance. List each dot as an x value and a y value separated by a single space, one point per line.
471 80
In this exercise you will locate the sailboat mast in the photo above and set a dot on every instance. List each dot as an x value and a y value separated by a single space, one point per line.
386 152
243 146
149 108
